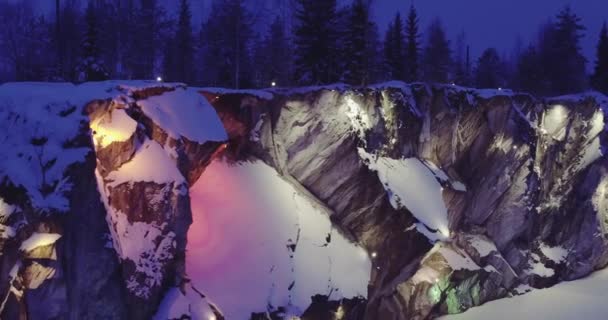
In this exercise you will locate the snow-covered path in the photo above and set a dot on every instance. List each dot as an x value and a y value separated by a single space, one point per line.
257 242
581 299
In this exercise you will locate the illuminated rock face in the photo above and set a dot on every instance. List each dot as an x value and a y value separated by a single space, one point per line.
456 196
522 182
94 200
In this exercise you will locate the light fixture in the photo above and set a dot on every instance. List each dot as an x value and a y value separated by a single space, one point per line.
159 79
274 84
374 254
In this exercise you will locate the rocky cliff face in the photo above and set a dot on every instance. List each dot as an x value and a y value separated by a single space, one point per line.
95 205
521 183
458 196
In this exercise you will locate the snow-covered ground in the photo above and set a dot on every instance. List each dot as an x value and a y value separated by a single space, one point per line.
580 299
258 243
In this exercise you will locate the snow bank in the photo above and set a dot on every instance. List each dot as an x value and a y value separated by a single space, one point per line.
184 113
36 120
412 185
257 242
150 164
581 299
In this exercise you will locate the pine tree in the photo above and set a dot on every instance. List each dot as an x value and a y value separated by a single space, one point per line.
91 67
225 45
315 39
412 54
147 25
599 79
357 63
489 72
279 53
179 54
272 57
374 53
437 54
70 40
462 62
394 49
567 67
529 75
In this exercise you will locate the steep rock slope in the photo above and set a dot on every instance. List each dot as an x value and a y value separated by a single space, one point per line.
94 186
457 197
522 184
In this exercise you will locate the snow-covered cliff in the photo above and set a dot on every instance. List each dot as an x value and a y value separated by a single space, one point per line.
138 200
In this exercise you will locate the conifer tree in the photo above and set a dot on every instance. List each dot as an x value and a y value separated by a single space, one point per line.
179 53
394 49
412 54
226 46
489 73
566 61
357 60
599 79
91 67
315 39
437 54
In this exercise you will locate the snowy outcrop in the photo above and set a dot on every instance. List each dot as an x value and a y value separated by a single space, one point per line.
95 209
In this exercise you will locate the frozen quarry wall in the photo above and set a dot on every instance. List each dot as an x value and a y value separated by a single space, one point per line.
462 196
454 196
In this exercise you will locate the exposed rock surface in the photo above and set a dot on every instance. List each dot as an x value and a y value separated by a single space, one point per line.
95 203
523 184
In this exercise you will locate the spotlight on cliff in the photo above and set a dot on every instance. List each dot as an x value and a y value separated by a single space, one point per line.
159 79
273 84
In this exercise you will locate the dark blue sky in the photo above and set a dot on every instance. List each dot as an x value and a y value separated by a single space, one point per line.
487 23
497 23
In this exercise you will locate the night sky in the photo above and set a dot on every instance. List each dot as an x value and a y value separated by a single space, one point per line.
497 23
487 23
